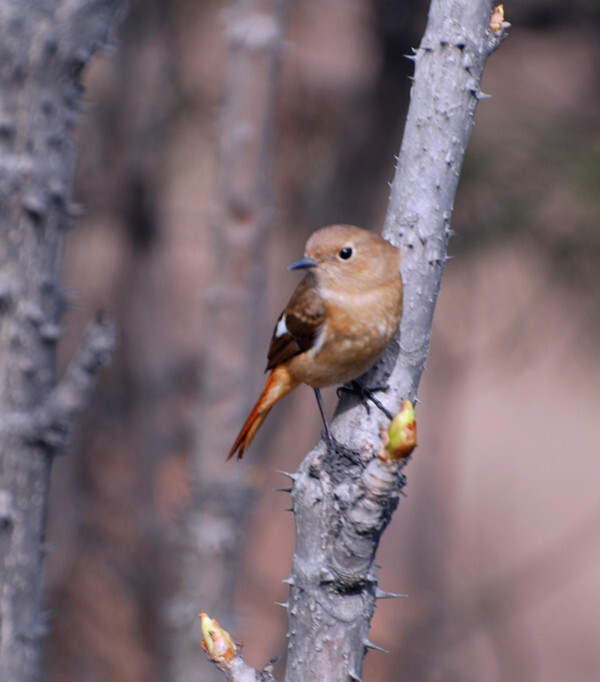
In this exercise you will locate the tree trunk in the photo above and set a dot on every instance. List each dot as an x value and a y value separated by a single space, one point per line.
43 51
242 216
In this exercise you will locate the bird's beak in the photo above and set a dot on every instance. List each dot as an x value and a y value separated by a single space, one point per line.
305 262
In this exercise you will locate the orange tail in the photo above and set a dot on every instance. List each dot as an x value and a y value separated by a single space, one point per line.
278 385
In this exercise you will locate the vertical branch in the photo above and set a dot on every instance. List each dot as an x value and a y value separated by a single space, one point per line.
241 219
341 507
43 53
449 66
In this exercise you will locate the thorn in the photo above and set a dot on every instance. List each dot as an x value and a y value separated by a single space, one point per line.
283 490
410 57
326 576
371 645
382 594
288 581
283 604
290 509
479 95
35 205
293 477
269 667
354 677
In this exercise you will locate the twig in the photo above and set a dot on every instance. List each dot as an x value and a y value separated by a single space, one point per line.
54 418
227 655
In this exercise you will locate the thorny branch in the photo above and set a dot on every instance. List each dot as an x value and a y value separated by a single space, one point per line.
339 518
342 505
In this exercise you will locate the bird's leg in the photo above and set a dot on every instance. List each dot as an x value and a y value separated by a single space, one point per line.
330 438
366 394
332 443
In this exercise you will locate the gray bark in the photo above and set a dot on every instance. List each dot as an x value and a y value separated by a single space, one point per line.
43 48
342 507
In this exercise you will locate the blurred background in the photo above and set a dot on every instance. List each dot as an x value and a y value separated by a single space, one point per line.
186 231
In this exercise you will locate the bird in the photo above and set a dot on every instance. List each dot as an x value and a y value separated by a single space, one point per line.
337 323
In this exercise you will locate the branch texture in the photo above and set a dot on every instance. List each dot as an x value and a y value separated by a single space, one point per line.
342 506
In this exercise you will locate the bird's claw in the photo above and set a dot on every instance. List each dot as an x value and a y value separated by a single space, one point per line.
365 394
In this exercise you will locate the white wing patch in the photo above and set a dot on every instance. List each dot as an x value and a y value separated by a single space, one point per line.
281 328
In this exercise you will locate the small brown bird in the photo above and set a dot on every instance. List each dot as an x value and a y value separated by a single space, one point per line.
338 321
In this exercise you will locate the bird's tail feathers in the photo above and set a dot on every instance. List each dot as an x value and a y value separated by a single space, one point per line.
278 385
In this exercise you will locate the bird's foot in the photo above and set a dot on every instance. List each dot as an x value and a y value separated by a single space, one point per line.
365 394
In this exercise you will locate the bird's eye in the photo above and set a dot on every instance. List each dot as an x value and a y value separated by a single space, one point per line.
345 253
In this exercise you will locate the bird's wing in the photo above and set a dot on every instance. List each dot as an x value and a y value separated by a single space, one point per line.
298 325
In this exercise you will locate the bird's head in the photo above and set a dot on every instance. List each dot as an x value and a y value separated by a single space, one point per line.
349 257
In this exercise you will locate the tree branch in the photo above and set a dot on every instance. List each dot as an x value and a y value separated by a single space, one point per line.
341 506
55 417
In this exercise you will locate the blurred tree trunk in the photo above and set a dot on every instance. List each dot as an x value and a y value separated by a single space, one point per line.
242 215
44 47
109 583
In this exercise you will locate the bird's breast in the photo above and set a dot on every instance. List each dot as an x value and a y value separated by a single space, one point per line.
357 329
